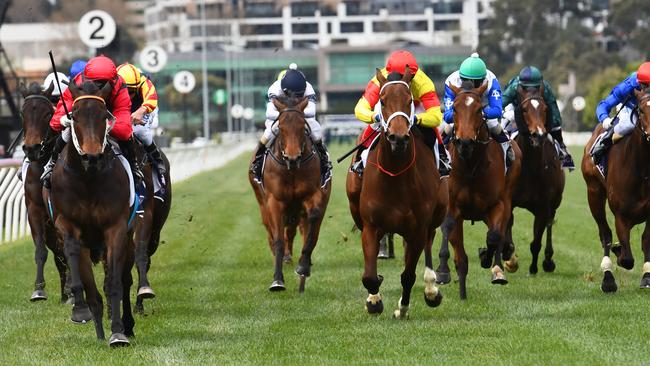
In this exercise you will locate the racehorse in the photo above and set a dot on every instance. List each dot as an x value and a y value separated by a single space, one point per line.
479 187
291 195
401 192
541 182
627 189
36 112
90 201
147 227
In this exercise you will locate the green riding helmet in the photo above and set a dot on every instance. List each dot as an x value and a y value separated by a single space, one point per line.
473 68
530 76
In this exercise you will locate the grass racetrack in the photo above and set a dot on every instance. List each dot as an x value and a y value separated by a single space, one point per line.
212 273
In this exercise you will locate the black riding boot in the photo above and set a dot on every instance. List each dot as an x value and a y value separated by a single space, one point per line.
56 144
567 160
599 149
154 153
128 151
444 168
258 162
502 138
357 166
325 163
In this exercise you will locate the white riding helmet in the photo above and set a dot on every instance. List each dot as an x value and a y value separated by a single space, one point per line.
63 81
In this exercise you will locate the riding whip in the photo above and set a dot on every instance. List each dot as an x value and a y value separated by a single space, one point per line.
354 149
56 77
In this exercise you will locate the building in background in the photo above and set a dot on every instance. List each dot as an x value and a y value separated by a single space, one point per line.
338 44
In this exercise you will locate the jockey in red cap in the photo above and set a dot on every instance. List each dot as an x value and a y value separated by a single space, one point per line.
426 102
99 70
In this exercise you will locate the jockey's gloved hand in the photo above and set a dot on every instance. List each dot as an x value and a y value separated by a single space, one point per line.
509 115
607 123
66 121
415 120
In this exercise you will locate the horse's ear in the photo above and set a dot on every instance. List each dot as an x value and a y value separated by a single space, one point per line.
302 104
23 90
520 89
454 88
106 91
380 77
48 92
75 90
541 89
278 104
481 89
408 76
638 93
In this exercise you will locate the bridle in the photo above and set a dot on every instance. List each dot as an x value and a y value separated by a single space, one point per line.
42 98
525 131
481 125
644 133
385 123
284 161
109 125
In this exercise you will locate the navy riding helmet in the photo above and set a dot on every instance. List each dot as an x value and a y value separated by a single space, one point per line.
294 83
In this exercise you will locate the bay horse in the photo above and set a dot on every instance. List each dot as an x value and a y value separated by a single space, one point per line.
627 190
291 195
541 183
479 188
36 112
148 226
90 202
400 192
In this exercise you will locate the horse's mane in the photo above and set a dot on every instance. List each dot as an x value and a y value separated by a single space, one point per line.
89 88
467 85
290 100
394 76
34 88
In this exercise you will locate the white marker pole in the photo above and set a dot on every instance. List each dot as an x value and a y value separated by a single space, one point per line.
204 75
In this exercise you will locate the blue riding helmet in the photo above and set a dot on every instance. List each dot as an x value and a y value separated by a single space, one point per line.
76 68
294 83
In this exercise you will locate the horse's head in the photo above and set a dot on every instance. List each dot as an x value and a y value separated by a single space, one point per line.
292 124
533 114
643 124
91 121
469 126
396 108
36 112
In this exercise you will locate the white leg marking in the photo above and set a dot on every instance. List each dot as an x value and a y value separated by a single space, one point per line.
402 311
374 299
606 264
646 267
430 289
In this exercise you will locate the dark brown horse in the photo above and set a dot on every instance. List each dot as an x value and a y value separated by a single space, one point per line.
541 183
478 188
148 226
36 112
90 198
401 192
291 195
627 189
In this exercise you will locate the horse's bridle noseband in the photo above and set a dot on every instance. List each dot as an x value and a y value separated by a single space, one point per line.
385 123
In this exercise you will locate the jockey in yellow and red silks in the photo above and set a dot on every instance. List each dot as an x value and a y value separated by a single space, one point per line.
428 115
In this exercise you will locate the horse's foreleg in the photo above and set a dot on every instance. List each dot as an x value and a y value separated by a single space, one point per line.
645 244
596 197
370 279
443 274
127 281
92 295
72 248
624 252
116 260
549 264
460 257
314 220
509 254
496 221
276 210
37 220
412 251
142 238
536 244
290 235
432 295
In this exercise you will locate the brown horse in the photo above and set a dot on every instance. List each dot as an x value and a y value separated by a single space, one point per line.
541 183
90 198
148 226
627 190
478 188
401 192
291 195
36 112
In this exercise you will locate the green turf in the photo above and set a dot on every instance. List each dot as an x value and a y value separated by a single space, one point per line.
213 307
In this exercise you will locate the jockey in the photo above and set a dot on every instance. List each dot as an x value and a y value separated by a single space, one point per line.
77 67
51 80
424 98
144 112
473 69
291 82
531 78
99 70
623 93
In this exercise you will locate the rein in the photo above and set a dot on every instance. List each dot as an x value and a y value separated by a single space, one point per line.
639 111
109 125
283 161
386 171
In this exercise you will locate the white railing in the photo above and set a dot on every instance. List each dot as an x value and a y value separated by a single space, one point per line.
185 162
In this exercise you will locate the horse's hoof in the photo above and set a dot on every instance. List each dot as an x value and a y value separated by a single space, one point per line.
374 305
146 292
609 283
627 263
533 270
277 286
38 295
443 278
512 264
401 312
498 278
548 265
118 340
304 271
484 257
435 302
287 258
645 281
138 309
81 314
